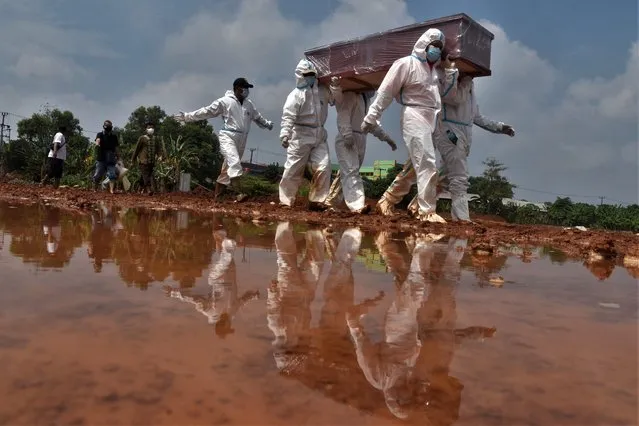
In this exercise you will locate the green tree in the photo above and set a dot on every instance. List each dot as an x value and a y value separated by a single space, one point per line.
28 153
491 186
195 144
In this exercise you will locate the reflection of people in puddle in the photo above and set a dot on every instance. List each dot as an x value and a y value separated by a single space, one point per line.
388 364
290 296
101 239
52 231
411 366
601 269
221 304
438 394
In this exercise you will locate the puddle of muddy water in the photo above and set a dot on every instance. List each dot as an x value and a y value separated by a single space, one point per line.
160 317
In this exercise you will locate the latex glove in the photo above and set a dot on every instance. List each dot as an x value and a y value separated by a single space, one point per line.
367 127
284 140
269 125
180 116
508 130
336 81
380 134
447 63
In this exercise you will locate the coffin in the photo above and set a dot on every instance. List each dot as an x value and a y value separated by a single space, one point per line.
363 62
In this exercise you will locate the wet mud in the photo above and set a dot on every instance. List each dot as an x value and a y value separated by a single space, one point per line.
126 316
487 234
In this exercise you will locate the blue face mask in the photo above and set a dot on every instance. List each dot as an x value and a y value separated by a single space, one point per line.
310 80
433 54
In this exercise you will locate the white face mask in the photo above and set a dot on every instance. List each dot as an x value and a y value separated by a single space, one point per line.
150 131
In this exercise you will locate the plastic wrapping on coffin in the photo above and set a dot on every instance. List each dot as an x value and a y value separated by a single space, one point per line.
363 62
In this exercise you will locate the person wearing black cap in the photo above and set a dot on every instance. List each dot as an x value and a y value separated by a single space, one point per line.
237 112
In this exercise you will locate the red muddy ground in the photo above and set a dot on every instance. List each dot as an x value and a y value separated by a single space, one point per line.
486 234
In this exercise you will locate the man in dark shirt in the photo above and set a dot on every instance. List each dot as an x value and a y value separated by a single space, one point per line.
107 156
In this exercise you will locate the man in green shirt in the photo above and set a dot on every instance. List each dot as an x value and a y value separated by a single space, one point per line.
145 152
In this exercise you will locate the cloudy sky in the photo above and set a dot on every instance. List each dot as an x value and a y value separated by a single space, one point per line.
564 72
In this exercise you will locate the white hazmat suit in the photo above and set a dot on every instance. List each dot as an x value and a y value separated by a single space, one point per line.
237 118
350 147
413 82
460 111
304 136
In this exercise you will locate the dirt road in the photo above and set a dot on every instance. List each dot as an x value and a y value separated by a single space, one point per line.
486 234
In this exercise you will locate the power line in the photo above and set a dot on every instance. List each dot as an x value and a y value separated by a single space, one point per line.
600 197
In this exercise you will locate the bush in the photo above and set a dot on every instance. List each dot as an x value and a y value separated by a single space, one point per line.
258 186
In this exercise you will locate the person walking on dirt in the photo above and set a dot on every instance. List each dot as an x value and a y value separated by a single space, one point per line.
107 156
145 152
57 157
350 147
237 112
453 138
413 82
305 138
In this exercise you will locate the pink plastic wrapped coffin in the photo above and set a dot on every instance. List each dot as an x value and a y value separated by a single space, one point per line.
363 62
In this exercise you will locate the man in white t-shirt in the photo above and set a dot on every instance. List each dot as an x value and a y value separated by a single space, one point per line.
57 157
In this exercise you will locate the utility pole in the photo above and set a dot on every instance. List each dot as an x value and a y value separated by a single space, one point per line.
252 149
602 200
2 126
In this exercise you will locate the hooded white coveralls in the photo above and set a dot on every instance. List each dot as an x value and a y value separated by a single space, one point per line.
460 111
223 282
350 116
237 123
303 118
388 365
288 305
413 83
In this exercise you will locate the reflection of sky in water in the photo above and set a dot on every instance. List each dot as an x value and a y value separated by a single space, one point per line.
294 325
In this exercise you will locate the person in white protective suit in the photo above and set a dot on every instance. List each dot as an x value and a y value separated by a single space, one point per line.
413 82
304 136
438 392
350 147
237 112
388 365
459 112
288 305
222 303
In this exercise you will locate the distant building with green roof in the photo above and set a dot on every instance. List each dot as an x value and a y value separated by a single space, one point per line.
378 170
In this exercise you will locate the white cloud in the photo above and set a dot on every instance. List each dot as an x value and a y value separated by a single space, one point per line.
42 65
573 135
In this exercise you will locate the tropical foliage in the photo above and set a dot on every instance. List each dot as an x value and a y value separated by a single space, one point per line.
194 148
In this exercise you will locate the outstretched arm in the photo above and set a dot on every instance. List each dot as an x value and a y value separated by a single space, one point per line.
486 123
261 121
204 113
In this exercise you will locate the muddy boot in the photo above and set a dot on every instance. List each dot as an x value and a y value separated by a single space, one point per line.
364 210
385 207
219 190
413 207
432 218
236 185
317 207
